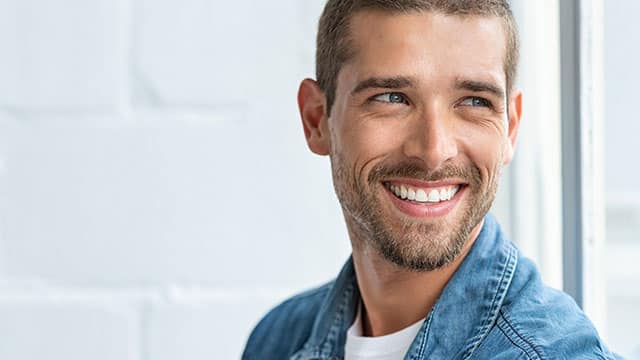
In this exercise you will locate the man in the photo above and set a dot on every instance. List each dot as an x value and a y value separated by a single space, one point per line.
415 106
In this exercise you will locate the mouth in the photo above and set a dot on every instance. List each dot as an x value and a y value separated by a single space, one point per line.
423 199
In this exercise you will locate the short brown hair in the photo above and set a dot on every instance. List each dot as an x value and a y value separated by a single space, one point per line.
334 49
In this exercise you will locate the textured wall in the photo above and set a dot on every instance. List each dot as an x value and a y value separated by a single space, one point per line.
156 193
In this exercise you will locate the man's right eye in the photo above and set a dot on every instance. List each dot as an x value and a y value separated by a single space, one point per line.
391 97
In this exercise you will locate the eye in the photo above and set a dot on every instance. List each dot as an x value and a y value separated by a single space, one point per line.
391 97
476 102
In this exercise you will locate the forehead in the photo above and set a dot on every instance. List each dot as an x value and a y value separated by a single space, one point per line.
427 44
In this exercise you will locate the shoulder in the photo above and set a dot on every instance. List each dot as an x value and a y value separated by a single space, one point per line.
286 327
539 322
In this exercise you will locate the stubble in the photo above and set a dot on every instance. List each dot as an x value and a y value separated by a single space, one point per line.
411 243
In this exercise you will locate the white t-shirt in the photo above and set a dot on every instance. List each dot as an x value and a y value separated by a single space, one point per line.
388 347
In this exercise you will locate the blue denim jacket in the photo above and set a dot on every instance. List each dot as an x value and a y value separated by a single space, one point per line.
494 307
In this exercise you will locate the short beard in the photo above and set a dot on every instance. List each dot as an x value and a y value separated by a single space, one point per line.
416 246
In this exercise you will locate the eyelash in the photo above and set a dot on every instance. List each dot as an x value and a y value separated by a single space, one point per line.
403 99
484 102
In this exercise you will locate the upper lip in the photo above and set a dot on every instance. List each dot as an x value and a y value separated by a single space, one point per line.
425 184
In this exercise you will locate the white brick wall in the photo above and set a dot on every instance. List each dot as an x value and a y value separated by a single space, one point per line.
201 328
156 194
58 54
47 328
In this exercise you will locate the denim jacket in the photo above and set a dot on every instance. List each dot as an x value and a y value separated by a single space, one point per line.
494 307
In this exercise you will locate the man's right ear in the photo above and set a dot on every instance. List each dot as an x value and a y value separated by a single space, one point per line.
311 102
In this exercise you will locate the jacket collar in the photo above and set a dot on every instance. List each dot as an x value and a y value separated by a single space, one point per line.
461 318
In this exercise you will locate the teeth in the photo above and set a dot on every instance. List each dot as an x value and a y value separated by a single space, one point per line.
421 195
434 196
424 195
444 194
411 194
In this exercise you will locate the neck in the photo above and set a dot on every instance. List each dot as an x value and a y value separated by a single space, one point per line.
393 297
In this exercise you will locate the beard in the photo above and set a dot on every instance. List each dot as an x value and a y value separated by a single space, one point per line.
409 242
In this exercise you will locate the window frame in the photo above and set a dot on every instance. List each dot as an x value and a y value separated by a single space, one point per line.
583 210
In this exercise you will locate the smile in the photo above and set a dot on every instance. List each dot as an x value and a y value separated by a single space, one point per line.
420 199
423 195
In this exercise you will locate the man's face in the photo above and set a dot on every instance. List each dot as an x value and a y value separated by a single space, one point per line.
419 132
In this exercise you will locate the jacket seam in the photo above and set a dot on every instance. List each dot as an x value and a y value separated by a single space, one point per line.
514 343
496 303
313 292
419 353
333 334
521 341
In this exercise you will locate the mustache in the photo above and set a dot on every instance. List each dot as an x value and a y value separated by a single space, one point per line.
469 174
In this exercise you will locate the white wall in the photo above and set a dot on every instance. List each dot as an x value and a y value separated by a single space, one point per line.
156 193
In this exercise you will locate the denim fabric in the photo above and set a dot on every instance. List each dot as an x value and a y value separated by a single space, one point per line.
494 307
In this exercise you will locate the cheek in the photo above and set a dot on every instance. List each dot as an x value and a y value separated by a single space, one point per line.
485 149
363 142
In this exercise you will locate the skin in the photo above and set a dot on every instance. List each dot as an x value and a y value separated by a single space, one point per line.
437 110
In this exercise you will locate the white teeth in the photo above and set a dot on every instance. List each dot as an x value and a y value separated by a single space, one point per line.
444 194
421 195
424 195
434 196
411 194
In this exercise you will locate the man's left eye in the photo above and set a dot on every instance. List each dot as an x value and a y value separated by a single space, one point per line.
391 97
476 101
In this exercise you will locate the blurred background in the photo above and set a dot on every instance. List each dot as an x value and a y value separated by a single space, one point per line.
157 196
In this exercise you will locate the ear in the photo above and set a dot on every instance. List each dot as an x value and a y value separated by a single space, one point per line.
515 114
311 103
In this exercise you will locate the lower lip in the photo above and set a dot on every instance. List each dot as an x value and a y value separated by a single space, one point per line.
426 210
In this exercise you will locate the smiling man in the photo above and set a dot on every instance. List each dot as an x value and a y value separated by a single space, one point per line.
415 106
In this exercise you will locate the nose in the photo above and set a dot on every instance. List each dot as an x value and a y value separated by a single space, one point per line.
432 139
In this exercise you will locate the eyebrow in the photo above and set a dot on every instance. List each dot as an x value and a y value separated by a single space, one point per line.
480 86
397 82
